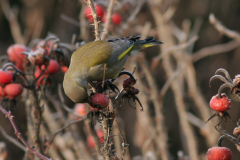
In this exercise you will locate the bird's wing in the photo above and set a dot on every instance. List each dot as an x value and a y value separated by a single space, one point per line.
121 47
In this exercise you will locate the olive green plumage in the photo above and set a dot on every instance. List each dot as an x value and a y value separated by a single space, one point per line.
87 63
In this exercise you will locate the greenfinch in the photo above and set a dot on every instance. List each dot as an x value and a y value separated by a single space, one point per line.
87 63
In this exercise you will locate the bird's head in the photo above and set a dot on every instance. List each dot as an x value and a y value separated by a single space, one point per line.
75 88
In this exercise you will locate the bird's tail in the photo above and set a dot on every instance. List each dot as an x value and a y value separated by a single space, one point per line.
137 44
148 42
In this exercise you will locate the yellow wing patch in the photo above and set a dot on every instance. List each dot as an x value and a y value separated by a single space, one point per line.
148 45
124 53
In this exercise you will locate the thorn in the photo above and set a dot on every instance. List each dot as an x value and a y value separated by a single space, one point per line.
18 135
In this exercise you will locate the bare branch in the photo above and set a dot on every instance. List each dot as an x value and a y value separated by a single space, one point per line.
95 19
64 127
162 140
14 141
136 11
169 81
165 33
213 50
222 29
171 49
108 20
19 136
12 19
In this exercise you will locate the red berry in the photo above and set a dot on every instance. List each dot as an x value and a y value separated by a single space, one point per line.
219 153
80 109
129 82
14 53
2 92
90 142
116 18
100 100
99 11
100 135
5 77
19 66
90 139
13 90
220 104
64 69
52 68
40 80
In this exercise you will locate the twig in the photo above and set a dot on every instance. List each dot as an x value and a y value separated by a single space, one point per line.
19 136
124 144
95 138
169 81
14 141
213 50
231 138
169 13
145 30
95 19
136 11
165 33
195 121
171 49
133 14
162 140
144 118
12 19
73 39
222 29
177 32
108 19
61 129
195 30
71 20
83 25
199 100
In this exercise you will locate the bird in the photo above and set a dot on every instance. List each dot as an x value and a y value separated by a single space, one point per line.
87 63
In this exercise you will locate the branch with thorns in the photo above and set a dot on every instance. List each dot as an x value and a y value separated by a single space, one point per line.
95 19
19 136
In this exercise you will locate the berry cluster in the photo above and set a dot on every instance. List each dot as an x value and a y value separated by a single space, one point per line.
9 89
31 67
100 11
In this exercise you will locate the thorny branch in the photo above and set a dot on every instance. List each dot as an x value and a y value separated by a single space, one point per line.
95 19
11 139
19 136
